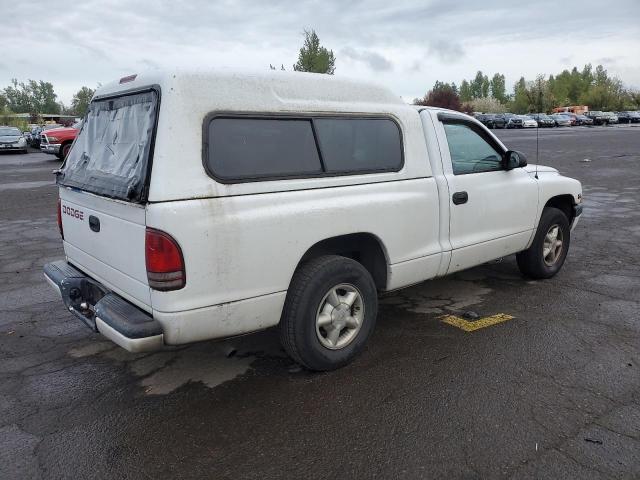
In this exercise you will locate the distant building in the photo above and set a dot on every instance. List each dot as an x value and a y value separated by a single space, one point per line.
577 109
45 118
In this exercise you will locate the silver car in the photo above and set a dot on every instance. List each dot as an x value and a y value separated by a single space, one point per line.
12 139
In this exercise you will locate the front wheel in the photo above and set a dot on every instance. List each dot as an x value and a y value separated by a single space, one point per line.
329 313
64 151
546 255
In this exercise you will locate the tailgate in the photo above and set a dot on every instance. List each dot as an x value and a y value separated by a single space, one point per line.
105 238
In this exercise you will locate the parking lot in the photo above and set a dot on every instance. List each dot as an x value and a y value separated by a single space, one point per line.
553 392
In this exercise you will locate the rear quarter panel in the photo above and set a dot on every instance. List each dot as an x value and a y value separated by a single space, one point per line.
246 246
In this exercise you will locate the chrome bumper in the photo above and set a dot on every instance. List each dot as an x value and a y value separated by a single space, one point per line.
53 148
103 311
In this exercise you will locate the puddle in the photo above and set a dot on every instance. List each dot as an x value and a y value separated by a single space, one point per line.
209 366
210 363
439 296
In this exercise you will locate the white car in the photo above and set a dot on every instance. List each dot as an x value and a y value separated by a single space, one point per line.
12 139
196 206
528 122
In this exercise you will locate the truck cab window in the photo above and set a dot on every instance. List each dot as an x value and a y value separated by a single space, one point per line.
470 153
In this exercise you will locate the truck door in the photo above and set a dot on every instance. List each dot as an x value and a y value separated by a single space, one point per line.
492 210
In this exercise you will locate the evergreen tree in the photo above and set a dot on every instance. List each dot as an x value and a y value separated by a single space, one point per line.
313 57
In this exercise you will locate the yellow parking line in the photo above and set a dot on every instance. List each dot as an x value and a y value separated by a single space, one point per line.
468 326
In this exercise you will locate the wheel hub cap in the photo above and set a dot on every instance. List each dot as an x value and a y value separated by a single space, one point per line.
339 316
552 245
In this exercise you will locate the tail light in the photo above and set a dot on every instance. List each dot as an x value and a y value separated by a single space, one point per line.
60 218
165 264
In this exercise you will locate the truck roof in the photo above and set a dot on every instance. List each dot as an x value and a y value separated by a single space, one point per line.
279 86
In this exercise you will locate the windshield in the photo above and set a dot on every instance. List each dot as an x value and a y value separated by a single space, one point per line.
9 131
111 154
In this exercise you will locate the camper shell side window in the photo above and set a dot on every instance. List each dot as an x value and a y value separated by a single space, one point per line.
248 148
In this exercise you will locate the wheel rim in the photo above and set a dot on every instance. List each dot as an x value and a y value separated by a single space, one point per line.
553 245
339 316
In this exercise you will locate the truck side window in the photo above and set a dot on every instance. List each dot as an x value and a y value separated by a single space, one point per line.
470 153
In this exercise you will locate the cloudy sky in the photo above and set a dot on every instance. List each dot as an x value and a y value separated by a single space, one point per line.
406 45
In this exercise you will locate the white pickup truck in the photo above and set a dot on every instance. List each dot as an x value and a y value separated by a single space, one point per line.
195 206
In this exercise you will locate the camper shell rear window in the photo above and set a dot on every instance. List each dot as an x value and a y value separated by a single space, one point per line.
113 152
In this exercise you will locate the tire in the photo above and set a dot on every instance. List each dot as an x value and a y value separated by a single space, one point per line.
533 262
309 299
64 151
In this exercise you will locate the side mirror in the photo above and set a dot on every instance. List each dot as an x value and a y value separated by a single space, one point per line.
513 159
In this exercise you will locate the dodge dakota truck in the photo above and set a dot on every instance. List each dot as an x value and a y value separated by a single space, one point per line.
196 206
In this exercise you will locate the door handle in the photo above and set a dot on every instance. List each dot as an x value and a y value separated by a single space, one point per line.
460 197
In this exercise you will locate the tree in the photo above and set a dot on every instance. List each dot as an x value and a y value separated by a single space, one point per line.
33 97
539 94
479 86
442 95
485 105
313 57
498 88
465 91
80 101
520 102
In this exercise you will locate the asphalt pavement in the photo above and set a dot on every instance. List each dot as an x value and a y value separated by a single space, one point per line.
553 392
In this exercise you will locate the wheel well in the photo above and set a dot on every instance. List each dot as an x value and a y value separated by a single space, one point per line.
364 248
564 203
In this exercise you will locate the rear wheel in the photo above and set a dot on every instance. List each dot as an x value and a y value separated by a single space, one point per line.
329 313
549 249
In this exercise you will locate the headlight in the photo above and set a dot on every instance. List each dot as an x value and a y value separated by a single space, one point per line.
22 141
53 139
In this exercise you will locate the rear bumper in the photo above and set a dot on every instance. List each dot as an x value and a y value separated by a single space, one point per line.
103 311
53 148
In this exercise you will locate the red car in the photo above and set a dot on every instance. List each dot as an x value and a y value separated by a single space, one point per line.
58 141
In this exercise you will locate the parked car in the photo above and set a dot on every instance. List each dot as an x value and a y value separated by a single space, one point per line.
598 117
36 133
575 121
515 121
628 117
584 120
491 120
288 216
543 120
34 139
612 118
528 122
561 120
12 139
58 141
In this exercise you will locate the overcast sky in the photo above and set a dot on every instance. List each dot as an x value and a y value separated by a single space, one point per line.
404 45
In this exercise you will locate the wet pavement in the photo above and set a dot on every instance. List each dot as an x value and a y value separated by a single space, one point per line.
552 393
